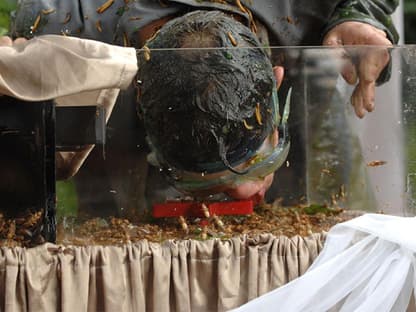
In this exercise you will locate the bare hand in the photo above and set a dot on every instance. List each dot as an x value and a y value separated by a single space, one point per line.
370 63
7 41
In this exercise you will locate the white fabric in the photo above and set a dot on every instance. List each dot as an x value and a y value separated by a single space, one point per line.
51 66
367 264
73 72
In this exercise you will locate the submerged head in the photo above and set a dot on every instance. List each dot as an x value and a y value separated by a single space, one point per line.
209 102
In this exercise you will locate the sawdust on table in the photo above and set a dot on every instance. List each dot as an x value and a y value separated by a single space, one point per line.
267 218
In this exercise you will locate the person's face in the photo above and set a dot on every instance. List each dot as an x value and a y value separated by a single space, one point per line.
256 189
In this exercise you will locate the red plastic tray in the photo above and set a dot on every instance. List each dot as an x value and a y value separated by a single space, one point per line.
194 209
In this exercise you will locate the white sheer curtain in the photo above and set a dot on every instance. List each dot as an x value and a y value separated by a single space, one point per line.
367 264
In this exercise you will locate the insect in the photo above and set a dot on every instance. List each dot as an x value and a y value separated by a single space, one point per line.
105 6
126 42
326 171
36 23
205 210
375 163
98 26
135 18
247 126
204 234
33 220
48 11
232 39
218 221
258 114
67 18
183 224
12 230
146 51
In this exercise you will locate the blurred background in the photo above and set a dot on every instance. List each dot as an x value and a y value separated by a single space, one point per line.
409 9
6 6
391 179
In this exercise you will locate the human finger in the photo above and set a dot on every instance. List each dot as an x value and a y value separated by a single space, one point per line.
371 64
333 38
362 98
349 71
347 68
356 102
19 40
6 41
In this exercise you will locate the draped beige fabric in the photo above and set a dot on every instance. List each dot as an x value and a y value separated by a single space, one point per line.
187 275
51 66
73 72
191 275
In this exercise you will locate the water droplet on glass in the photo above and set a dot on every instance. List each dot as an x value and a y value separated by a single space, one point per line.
411 81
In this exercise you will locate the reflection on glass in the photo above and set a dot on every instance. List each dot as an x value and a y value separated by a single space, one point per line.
336 159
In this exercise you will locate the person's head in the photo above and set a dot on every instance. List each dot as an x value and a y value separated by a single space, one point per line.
209 103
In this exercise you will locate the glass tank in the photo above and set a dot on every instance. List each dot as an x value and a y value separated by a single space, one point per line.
335 158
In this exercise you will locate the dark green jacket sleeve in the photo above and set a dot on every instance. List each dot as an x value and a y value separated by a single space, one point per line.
376 13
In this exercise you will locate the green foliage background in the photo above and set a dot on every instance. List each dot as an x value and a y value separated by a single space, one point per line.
410 21
6 6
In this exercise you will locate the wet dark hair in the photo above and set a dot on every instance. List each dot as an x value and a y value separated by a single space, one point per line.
199 105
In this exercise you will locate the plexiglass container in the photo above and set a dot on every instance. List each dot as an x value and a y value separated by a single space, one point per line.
336 158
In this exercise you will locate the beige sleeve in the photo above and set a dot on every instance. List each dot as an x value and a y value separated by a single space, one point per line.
48 67
73 71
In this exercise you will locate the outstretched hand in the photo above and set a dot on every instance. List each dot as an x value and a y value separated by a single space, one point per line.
369 64
7 41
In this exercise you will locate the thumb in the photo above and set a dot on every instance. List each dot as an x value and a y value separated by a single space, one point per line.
332 38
